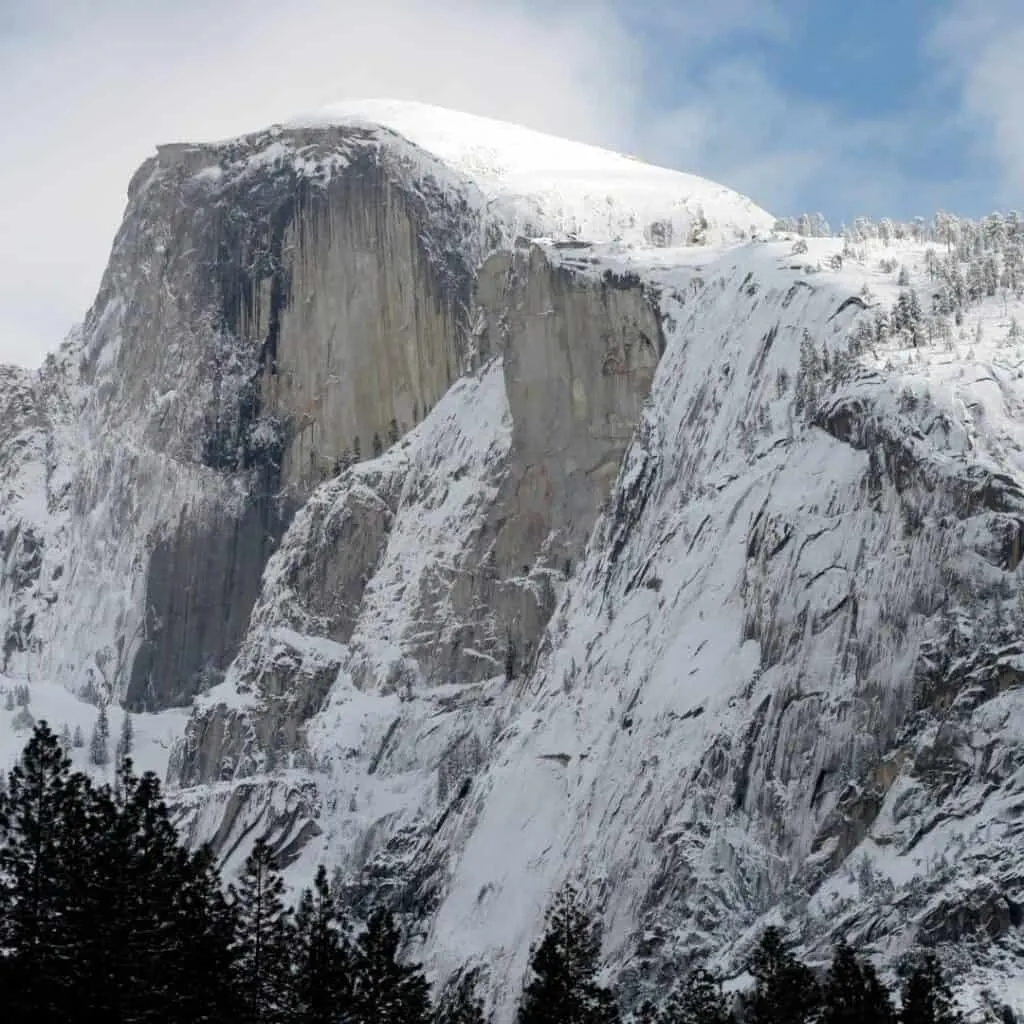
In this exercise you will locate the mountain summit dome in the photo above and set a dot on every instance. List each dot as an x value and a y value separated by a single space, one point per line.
563 187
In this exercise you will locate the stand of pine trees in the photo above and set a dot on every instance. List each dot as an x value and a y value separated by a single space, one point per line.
105 916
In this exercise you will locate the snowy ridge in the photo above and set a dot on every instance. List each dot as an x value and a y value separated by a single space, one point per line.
545 186
499 181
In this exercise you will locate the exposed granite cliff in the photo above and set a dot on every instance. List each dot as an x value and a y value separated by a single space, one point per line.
571 361
275 308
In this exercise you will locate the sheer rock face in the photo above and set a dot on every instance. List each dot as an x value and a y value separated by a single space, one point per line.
579 358
483 564
262 320
298 283
565 366
340 308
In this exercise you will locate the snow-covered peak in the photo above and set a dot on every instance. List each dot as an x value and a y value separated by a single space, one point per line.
597 194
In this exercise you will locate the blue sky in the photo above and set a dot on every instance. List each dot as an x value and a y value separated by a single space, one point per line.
876 107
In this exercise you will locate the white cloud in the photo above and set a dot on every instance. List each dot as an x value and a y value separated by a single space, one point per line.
740 128
99 85
981 42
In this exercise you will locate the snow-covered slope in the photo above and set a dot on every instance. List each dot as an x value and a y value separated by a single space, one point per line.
772 689
153 736
562 189
478 561
741 715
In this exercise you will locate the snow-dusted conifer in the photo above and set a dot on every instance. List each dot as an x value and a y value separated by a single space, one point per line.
927 998
263 939
853 994
564 969
321 972
385 990
99 744
35 816
126 739
785 991
698 999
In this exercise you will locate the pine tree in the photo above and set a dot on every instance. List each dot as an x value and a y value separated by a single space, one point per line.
262 937
102 914
78 740
915 317
461 1006
38 871
65 739
853 994
808 375
177 923
99 744
204 965
126 739
385 991
102 899
698 1000
161 935
927 998
321 962
785 991
564 966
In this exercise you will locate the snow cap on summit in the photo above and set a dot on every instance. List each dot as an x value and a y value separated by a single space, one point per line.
509 161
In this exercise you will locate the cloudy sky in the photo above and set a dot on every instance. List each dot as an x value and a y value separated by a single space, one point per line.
881 107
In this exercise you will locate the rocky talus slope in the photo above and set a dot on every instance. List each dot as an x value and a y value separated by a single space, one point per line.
473 510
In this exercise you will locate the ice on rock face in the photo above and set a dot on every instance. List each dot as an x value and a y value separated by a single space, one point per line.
471 527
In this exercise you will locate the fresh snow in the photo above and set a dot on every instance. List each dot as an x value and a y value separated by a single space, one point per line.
604 764
154 735
560 187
